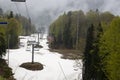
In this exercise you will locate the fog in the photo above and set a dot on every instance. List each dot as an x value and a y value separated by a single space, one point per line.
44 12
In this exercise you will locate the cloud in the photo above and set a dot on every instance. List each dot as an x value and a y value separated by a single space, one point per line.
43 12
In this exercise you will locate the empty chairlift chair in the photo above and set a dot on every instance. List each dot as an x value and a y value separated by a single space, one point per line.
18 0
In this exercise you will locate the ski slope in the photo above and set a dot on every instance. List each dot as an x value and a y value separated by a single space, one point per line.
55 68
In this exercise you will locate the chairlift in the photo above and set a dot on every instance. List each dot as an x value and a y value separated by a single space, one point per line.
18 0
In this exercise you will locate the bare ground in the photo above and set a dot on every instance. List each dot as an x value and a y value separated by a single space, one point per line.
68 53
32 66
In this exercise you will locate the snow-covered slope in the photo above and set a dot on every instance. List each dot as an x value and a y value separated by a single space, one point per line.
55 68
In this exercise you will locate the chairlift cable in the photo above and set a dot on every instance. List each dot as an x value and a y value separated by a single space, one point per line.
25 6
27 10
17 8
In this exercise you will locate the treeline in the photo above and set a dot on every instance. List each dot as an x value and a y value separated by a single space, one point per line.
27 26
97 34
70 29
16 25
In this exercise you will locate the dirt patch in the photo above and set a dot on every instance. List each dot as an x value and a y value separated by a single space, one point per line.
32 66
68 54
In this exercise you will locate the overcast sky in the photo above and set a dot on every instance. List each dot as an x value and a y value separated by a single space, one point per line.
40 9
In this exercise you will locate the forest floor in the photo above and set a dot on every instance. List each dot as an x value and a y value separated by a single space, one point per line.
69 53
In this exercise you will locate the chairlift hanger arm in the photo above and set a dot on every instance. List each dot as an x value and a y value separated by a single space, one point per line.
18 0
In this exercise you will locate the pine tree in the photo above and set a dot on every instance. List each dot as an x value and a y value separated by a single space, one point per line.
11 15
87 69
2 45
92 62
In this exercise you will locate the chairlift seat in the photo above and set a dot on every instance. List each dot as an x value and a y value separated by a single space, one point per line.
18 0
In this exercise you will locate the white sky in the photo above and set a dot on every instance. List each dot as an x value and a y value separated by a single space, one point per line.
38 9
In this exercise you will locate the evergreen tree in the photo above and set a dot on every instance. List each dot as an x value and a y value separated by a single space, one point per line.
1 12
2 44
87 68
67 38
92 62
11 15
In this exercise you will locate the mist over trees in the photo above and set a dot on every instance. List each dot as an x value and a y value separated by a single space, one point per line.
27 25
70 29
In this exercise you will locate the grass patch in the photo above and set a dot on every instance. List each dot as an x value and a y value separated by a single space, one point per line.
68 53
32 66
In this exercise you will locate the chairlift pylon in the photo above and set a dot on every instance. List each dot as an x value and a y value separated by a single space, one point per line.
18 0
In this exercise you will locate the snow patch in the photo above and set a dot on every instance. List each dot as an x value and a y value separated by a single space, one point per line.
50 60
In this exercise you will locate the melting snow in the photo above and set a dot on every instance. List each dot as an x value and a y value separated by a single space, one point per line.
53 64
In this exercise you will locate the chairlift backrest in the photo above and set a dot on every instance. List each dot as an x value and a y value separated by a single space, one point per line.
18 0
